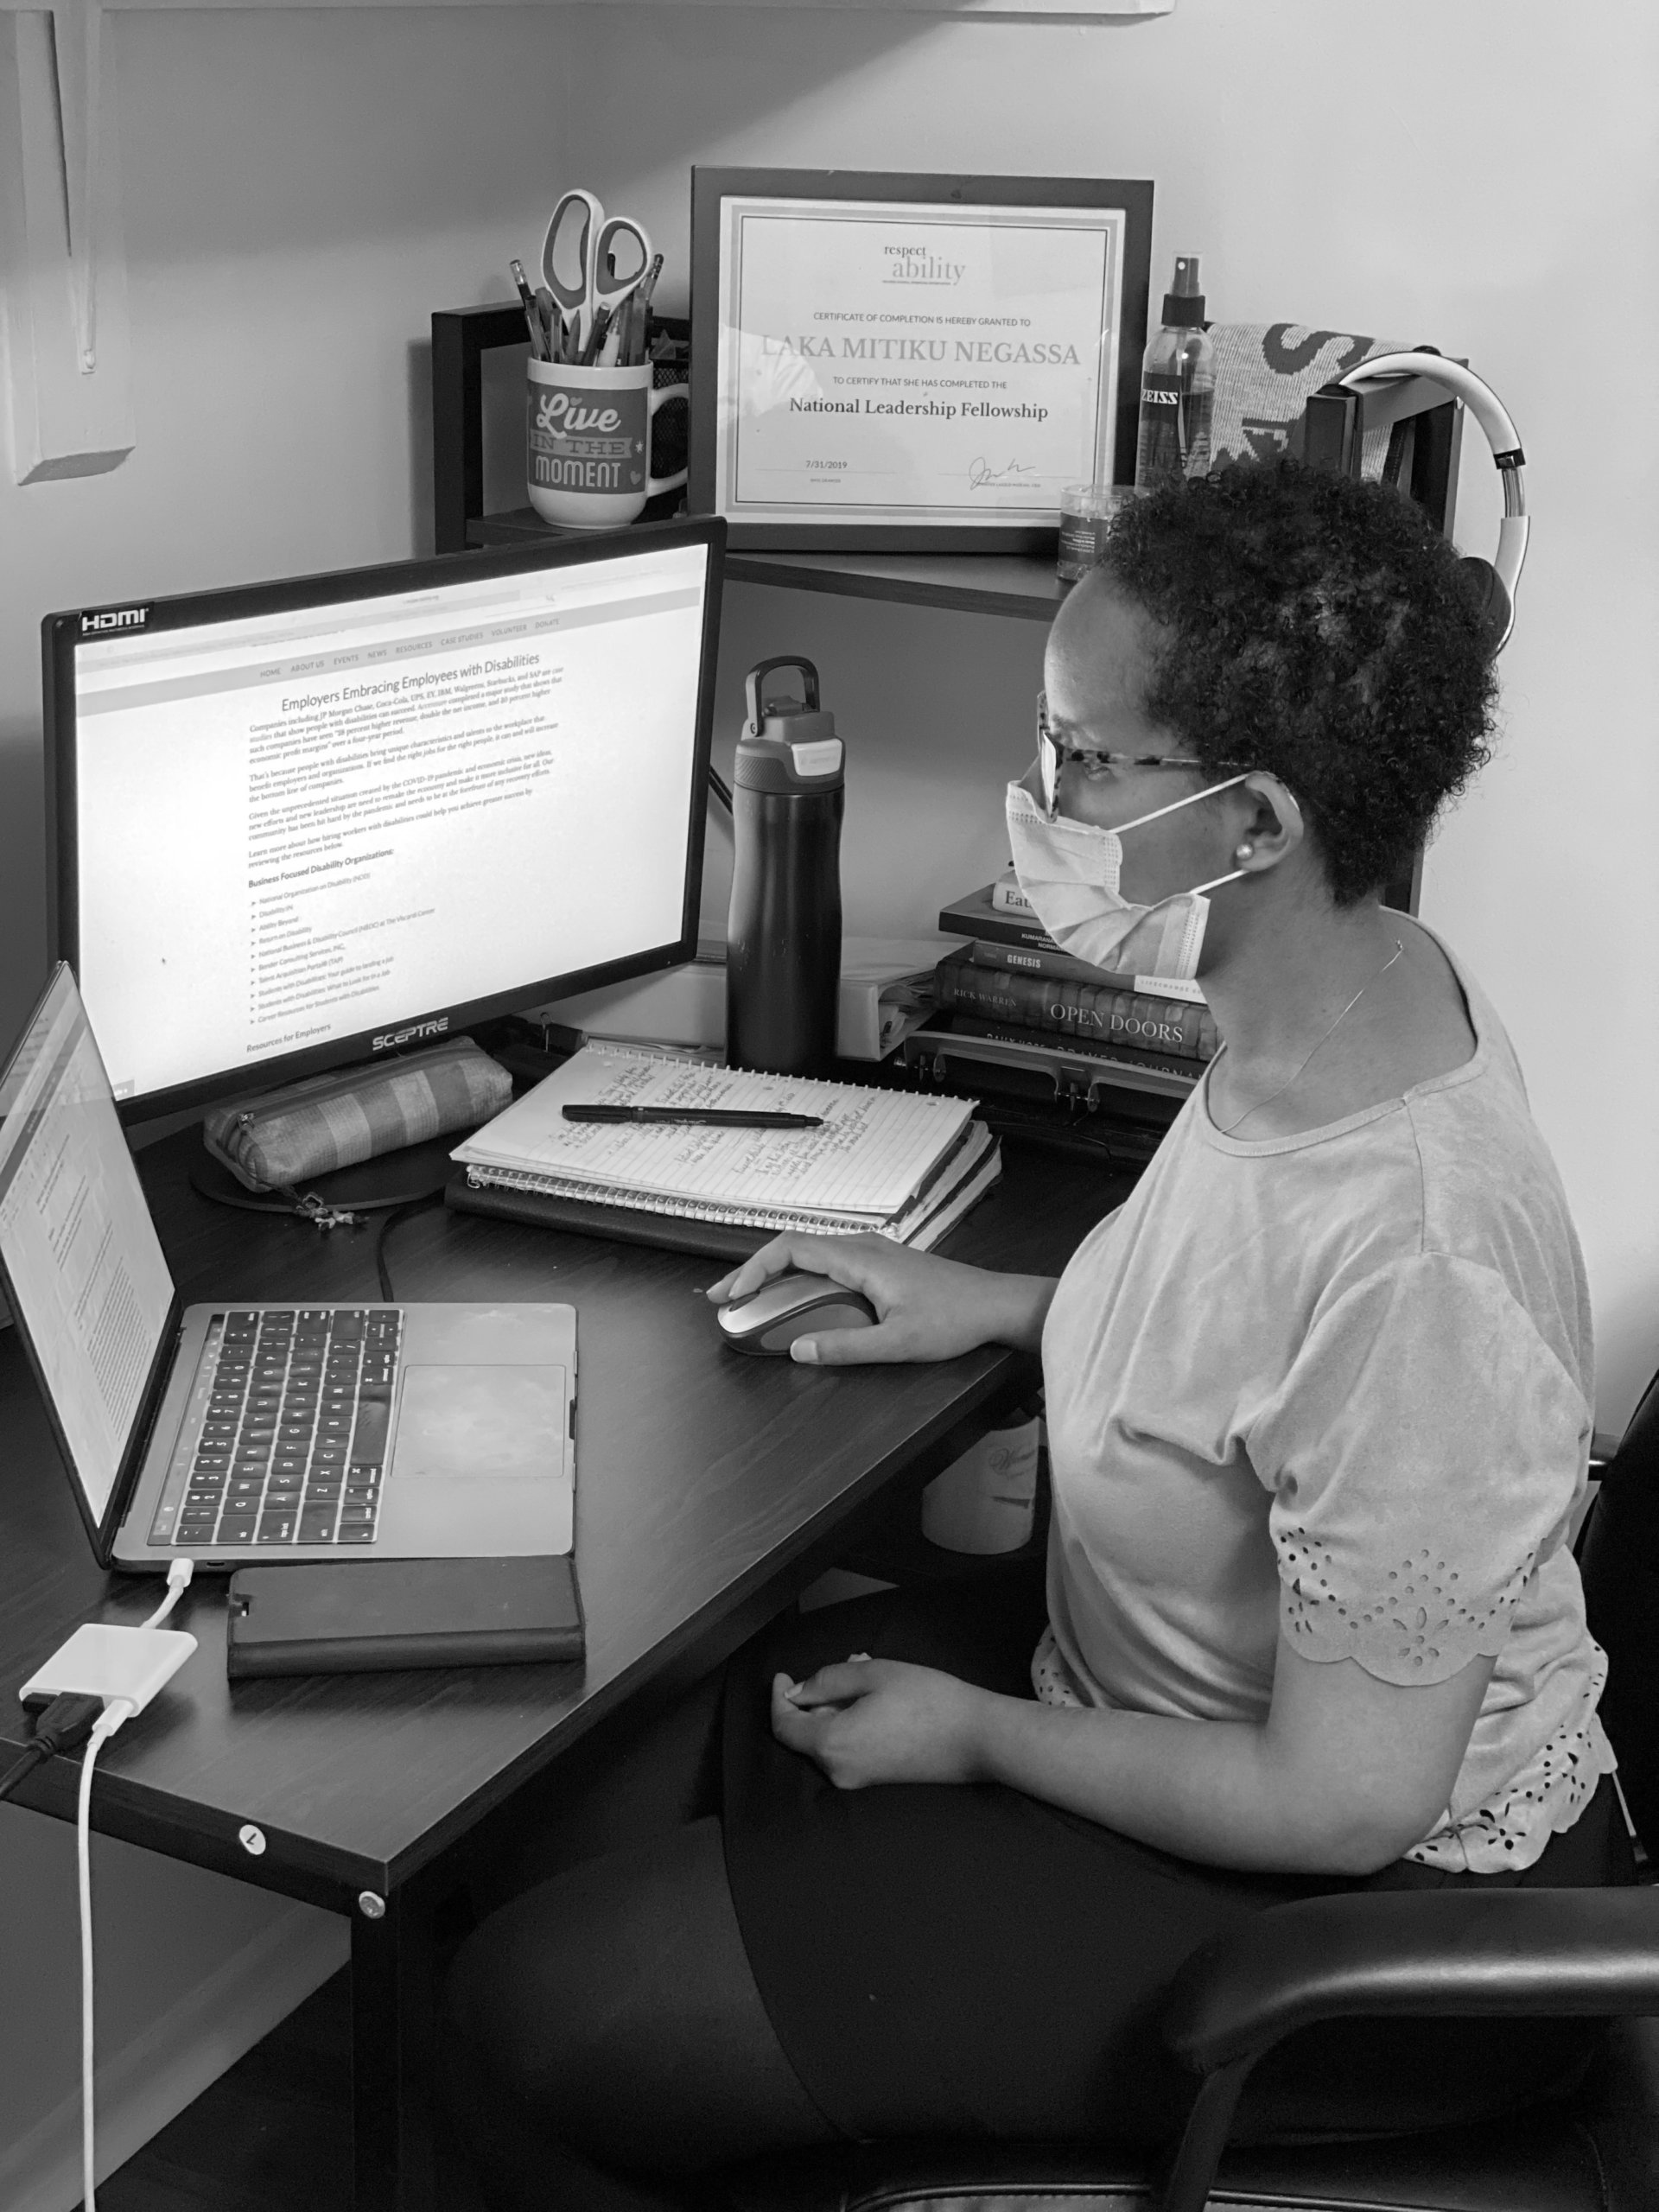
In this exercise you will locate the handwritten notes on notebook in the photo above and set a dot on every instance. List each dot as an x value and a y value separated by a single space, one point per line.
875 1150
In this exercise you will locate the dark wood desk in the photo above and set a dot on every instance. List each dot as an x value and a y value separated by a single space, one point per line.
710 1489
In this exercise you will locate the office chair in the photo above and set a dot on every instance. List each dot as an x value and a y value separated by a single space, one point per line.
1402 1954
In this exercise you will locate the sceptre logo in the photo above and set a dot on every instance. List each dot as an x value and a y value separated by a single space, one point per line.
391 1037
114 618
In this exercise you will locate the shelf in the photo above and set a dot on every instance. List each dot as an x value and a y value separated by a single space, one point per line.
971 583
966 583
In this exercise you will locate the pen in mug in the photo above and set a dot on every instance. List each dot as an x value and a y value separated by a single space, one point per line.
639 308
604 350
552 325
591 350
619 347
532 317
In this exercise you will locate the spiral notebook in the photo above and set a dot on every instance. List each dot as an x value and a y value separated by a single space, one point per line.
882 1160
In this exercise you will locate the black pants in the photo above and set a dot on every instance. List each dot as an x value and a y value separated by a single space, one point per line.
734 1958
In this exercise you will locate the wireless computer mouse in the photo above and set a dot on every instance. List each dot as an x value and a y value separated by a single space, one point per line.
793 1305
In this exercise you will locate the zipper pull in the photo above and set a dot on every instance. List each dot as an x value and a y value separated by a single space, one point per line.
321 1215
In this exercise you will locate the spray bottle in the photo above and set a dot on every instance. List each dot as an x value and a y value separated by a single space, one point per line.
1178 387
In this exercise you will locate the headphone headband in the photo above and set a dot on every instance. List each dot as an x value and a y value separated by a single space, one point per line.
1501 435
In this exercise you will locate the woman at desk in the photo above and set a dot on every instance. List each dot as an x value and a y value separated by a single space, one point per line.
1318 1407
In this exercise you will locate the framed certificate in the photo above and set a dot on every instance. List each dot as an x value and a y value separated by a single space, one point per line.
911 363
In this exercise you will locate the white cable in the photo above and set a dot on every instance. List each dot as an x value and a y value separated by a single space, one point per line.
116 1710
178 1581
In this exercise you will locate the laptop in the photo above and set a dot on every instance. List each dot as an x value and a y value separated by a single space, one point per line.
243 1431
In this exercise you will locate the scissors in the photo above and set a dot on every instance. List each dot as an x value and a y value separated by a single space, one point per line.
602 248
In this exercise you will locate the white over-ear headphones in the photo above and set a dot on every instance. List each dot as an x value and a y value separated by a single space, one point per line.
1499 577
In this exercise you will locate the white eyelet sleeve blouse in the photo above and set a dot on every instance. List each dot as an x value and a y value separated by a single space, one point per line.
1337 1388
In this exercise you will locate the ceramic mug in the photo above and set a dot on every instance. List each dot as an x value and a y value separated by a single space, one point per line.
589 442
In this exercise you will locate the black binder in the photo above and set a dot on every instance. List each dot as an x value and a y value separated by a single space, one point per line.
362 1616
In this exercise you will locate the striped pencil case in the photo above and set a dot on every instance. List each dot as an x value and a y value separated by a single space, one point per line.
309 1129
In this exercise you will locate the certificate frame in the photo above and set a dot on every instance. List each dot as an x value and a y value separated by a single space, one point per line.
748 222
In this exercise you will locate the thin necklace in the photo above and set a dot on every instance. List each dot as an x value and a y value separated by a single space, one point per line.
1399 947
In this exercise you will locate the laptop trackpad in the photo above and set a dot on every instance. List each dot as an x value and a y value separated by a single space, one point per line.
457 1421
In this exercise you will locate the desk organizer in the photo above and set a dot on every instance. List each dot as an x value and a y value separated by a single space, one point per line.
461 338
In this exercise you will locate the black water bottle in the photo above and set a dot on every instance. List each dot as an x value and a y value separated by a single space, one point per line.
783 936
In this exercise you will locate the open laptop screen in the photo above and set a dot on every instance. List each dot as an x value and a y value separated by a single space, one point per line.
81 1261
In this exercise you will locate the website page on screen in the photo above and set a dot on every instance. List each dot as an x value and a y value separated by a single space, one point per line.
81 1253
302 826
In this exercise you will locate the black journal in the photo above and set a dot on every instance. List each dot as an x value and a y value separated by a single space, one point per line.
356 1616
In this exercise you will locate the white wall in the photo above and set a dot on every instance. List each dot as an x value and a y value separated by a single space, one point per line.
303 187
1481 176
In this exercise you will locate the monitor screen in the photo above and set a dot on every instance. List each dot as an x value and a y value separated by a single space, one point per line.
305 823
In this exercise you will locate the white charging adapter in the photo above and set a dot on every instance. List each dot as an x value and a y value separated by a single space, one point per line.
101 1660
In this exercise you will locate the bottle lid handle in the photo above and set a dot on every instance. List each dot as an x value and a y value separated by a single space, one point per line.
753 680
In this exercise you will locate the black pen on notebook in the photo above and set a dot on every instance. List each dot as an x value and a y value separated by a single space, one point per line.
713 1117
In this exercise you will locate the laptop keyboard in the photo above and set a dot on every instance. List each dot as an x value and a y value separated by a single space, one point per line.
293 1447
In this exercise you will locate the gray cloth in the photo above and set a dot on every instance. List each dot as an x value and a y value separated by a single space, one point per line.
1265 374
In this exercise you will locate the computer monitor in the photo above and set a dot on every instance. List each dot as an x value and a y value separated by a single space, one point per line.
304 823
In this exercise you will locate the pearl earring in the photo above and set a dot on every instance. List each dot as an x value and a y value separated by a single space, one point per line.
1244 852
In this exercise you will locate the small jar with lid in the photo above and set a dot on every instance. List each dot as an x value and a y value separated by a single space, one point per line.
1085 510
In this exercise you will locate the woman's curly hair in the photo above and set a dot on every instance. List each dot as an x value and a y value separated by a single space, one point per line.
1321 629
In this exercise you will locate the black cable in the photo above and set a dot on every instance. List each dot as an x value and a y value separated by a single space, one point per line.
720 788
35 1756
388 1223
64 1726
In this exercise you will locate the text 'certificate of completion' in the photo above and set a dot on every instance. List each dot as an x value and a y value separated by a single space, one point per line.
943 364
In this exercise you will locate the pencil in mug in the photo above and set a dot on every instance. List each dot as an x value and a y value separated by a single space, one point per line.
531 316
622 336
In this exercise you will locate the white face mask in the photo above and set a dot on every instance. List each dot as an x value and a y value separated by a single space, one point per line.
1069 870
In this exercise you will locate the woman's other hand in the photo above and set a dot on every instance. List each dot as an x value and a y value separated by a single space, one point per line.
870 1720
927 1309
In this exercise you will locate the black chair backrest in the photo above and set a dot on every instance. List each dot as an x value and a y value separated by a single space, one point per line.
1619 1560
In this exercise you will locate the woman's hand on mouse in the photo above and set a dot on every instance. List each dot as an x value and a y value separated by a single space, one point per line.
871 1720
926 1307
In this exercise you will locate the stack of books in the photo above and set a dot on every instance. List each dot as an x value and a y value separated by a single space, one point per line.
901 1167
1012 987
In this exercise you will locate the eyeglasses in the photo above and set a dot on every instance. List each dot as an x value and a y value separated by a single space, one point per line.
1053 756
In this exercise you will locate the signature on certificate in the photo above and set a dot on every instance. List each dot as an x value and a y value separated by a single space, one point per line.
981 472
